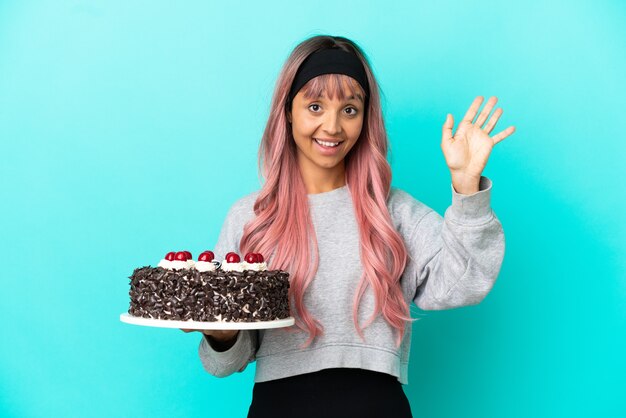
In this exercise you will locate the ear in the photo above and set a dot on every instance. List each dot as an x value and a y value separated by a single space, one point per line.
289 116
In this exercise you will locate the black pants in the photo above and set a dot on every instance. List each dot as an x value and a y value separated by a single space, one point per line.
329 393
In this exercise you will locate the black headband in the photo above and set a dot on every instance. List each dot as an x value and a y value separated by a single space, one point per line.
332 60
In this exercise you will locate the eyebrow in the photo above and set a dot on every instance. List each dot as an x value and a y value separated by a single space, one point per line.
349 98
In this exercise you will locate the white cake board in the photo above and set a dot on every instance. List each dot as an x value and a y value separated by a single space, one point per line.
225 325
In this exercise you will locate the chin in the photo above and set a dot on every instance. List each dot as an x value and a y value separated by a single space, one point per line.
330 165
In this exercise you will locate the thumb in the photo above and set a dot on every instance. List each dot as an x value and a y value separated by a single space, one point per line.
446 132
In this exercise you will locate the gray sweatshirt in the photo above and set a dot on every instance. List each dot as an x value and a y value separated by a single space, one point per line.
454 261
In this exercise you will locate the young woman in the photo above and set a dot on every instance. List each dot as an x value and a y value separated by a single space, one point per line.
356 248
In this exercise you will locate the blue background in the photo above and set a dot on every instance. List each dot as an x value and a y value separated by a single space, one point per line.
127 129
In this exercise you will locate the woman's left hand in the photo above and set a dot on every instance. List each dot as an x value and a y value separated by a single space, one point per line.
466 152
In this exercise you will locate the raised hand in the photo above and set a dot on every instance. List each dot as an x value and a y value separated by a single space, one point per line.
467 151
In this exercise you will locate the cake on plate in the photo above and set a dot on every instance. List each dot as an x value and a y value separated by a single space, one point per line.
182 289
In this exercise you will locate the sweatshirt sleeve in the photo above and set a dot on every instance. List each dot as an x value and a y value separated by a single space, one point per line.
458 256
237 357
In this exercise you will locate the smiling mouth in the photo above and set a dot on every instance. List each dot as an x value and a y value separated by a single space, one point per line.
327 144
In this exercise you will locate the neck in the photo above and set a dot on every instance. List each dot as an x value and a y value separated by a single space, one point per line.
319 180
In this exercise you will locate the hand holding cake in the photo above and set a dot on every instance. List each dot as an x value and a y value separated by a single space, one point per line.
224 338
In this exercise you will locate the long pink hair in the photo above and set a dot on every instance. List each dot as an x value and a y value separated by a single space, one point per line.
283 227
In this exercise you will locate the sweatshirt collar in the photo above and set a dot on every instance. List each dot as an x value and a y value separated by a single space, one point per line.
330 196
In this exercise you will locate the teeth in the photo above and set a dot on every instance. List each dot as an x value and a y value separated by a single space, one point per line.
326 144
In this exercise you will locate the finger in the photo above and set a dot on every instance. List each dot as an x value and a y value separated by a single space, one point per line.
446 132
493 120
486 110
499 137
471 112
187 330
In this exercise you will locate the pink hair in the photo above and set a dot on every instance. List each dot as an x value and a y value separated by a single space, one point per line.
283 225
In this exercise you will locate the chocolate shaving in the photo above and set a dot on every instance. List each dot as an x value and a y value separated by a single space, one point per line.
185 294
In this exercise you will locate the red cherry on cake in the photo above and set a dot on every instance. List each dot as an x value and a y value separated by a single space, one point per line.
171 256
206 256
189 256
251 258
259 258
232 258
181 255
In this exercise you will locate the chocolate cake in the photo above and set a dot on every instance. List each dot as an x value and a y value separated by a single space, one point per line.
181 289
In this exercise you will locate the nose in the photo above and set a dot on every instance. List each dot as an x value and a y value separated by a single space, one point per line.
331 124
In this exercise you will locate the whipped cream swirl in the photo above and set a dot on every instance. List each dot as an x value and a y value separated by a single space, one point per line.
255 266
176 264
226 266
205 266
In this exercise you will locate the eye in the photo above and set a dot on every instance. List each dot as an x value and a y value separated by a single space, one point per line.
355 111
314 105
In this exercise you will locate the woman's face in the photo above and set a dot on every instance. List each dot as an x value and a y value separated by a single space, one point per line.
336 123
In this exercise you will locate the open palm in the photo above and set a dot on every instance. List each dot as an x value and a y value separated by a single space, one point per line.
467 151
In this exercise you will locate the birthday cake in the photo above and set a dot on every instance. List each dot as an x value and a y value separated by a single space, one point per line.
182 289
